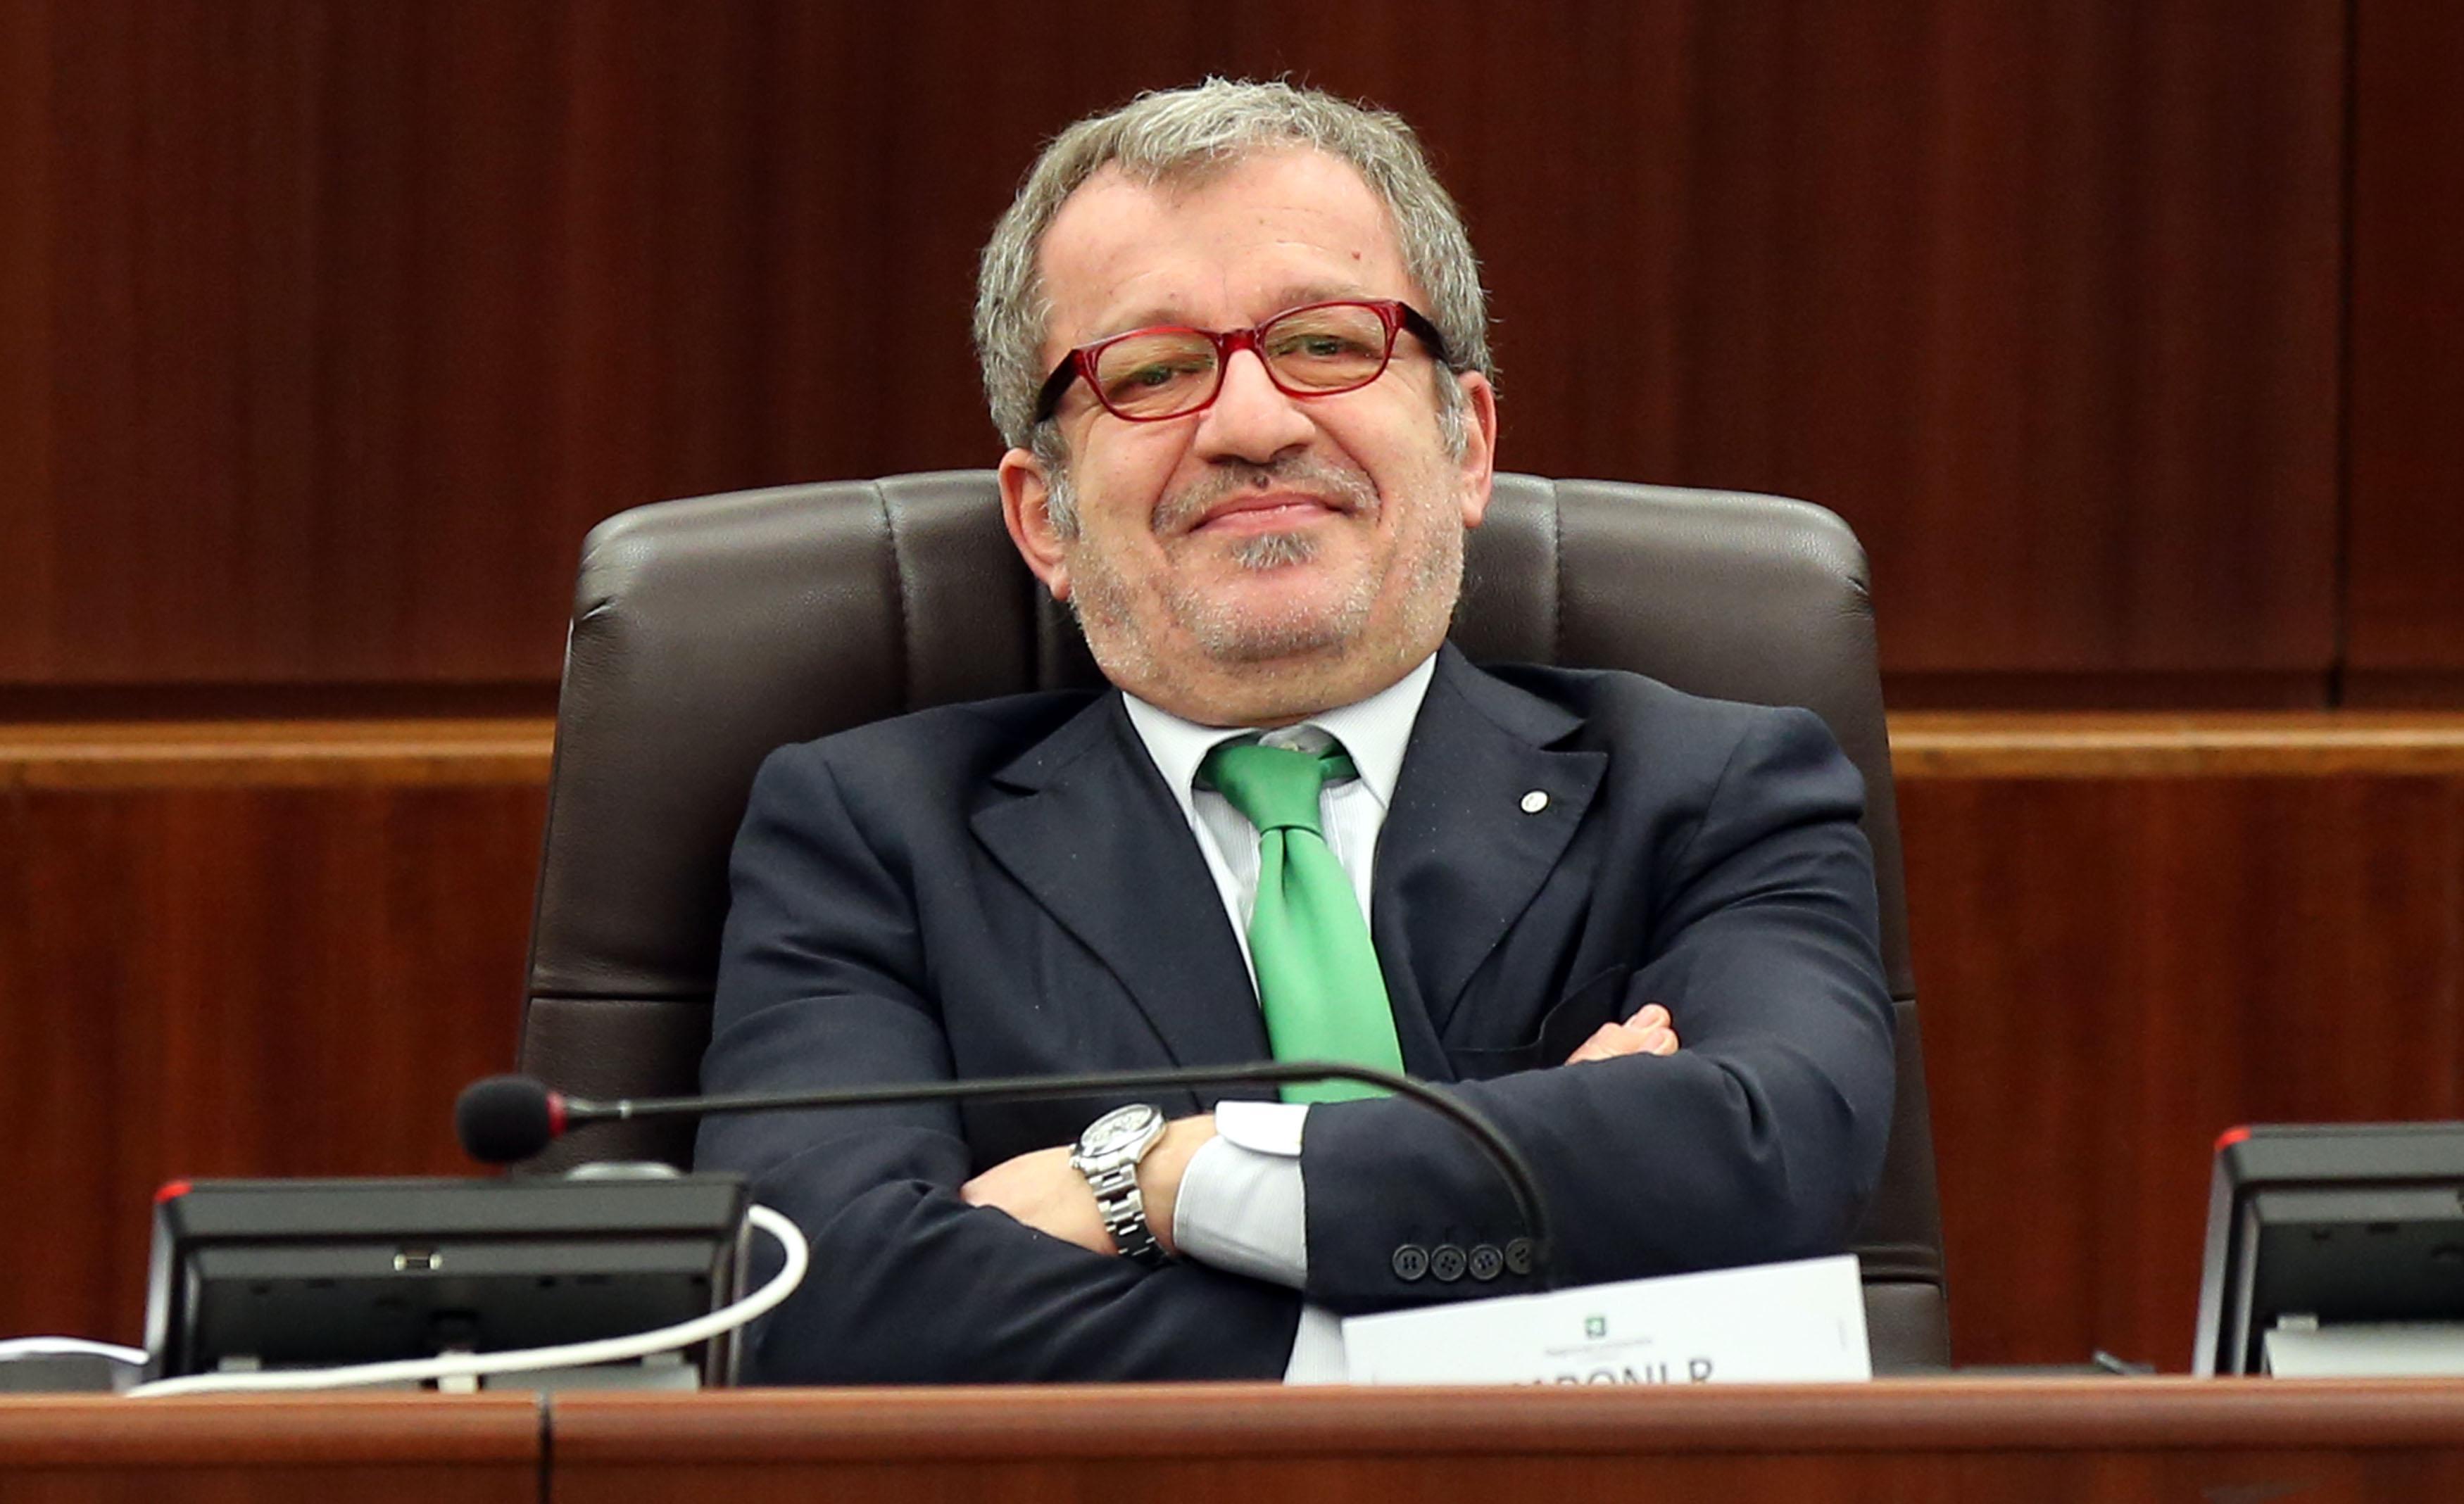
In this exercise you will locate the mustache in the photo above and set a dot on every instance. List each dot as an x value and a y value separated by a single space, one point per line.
1346 489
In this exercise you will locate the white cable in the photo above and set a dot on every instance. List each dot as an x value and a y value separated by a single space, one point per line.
568 1355
15 1347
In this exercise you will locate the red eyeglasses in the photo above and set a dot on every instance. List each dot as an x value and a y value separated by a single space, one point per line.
1170 371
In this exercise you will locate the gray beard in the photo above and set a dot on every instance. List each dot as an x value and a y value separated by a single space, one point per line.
1225 635
1274 549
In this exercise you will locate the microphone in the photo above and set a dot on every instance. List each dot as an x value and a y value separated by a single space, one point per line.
502 1119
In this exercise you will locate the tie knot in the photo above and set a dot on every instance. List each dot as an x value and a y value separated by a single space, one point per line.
1276 787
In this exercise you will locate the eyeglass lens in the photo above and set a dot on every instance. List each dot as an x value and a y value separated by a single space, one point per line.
1161 373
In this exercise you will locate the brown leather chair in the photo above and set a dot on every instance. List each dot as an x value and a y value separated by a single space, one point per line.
706 632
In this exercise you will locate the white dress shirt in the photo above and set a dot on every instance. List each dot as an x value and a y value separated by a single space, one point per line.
1241 1205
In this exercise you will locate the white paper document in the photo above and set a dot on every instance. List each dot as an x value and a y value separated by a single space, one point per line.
2367 1350
1798 1322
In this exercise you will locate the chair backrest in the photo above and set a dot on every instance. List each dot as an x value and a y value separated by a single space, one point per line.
706 632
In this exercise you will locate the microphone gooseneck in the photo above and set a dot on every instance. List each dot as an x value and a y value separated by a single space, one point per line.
503 1118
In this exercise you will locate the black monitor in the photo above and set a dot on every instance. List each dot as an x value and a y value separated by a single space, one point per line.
285 1273
2339 1223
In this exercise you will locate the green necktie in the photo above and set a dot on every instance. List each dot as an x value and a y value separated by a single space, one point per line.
1318 982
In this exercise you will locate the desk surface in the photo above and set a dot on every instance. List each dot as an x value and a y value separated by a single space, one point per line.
2232 1440
352 1449
1239 1420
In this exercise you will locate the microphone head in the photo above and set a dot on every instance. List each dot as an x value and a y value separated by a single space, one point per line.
507 1117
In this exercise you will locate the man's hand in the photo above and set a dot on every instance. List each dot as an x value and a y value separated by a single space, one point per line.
1648 1033
1040 1189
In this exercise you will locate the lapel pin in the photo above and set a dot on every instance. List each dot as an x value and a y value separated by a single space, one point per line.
1534 802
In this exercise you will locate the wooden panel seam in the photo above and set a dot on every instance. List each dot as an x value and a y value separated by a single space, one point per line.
1924 745
2122 746
276 753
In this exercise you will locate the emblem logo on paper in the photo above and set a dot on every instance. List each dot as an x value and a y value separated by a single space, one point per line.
1596 1326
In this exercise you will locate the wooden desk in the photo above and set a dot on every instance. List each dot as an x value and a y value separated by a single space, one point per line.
2008 1441
345 1448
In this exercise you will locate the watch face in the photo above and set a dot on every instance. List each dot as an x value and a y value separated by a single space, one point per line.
1117 1130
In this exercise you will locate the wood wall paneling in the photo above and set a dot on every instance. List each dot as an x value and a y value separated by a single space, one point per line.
2404 469
366 312
28 540
349 320
237 980
2042 297
2114 970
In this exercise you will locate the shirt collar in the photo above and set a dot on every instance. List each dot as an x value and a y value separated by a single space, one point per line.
1374 732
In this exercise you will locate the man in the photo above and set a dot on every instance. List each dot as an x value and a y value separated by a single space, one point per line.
1235 337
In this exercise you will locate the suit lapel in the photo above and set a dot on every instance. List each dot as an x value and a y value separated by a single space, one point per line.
1088 828
1461 854
1083 822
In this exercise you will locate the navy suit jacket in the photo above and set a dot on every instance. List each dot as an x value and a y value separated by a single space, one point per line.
1008 887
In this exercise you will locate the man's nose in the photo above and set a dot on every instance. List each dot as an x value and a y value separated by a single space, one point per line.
1252 418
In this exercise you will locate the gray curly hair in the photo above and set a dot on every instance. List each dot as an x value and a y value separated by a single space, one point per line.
1187 135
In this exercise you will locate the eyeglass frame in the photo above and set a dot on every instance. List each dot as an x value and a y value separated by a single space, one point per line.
1079 364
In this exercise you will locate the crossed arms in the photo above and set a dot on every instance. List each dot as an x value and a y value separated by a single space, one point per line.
1040 1189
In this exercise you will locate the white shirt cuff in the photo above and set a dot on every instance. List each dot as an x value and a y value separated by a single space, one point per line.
1317 1350
1242 1207
1269 1127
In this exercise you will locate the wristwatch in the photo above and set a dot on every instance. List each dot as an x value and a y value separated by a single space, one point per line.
1107 1155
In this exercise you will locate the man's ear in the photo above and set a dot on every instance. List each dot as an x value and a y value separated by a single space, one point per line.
1026 509
1478 467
